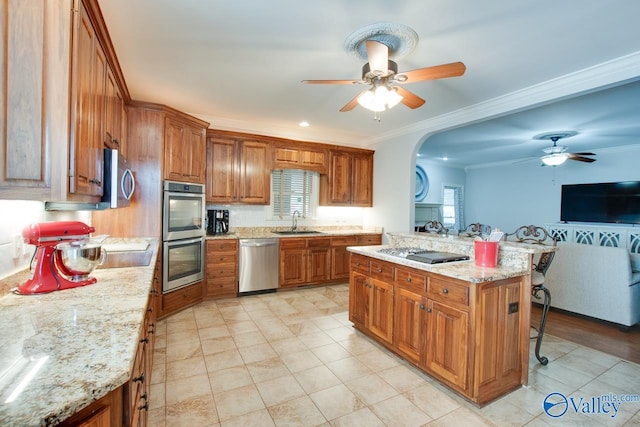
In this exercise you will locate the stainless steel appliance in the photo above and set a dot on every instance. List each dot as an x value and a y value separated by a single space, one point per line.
217 221
258 262
183 210
119 182
182 263
183 231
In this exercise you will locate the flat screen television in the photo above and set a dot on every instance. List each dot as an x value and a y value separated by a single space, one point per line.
610 202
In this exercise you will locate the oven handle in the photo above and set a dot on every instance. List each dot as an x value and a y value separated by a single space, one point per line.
182 242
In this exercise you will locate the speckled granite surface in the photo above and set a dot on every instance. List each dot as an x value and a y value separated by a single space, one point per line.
263 232
514 259
69 348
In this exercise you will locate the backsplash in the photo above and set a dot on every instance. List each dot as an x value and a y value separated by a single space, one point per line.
17 214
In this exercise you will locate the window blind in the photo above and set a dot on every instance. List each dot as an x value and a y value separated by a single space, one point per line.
291 190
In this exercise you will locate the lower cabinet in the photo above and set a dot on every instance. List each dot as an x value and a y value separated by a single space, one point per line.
222 268
464 334
181 298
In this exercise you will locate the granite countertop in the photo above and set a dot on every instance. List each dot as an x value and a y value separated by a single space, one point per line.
463 270
265 232
61 351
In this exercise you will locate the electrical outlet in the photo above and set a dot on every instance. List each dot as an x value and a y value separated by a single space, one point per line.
16 245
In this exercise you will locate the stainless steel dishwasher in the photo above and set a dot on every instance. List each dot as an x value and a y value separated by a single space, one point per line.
259 265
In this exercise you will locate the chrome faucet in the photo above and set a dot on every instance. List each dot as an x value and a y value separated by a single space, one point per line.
294 223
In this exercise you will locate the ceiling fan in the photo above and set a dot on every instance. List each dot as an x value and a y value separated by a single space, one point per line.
557 155
382 75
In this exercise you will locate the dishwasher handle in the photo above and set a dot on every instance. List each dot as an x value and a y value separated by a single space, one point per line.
258 242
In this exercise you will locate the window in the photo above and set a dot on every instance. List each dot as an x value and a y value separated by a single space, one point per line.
293 190
453 207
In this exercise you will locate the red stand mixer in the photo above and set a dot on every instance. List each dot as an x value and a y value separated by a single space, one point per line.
63 258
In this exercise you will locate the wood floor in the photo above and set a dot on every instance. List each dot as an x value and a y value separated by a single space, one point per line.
593 333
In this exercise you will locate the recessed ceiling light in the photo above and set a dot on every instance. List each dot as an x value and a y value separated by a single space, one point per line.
304 124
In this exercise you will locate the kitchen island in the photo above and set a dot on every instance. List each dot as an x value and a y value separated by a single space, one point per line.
464 325
64 351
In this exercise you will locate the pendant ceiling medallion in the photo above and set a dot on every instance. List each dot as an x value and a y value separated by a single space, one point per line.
400 39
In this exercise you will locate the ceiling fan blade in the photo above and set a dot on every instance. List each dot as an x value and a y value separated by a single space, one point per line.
584 154
333 82
378 57
409 99
453 69
573 156
353 103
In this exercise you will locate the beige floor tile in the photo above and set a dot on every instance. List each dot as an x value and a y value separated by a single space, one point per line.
179 337
279 390
157 396
181 316
330 352
315 379
241 327
267 369
358 344
209 321
184 350
623 375
341 333
336 401
185 389
247 339
378 360
256 353
156 417
186 368
195 412
230 378
301 360
214 332
259 418
303 328
349 369
565 373
300 412
361 418
327 322
239 401
223 360
402 378
433 401
217 345
288 345
398 411
371 389
316 339
461 417
275 331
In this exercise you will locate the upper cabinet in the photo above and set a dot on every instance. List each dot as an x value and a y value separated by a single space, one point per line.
184 152
290 155
238 169
349 181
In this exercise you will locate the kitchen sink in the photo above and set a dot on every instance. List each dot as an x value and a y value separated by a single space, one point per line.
284 232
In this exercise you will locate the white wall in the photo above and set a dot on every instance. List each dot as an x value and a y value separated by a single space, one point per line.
17 214
512 195
439 175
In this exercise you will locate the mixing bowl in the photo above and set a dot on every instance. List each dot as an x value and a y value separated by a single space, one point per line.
78 259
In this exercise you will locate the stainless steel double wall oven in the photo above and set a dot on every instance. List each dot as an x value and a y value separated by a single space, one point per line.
183 234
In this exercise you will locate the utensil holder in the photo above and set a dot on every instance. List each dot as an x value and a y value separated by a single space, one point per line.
486 253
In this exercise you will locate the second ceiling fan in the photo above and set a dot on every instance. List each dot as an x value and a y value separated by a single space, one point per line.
382 75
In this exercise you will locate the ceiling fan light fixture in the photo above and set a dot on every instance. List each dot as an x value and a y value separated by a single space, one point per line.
555 159
380 98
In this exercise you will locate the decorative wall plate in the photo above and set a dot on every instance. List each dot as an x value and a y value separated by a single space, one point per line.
422 183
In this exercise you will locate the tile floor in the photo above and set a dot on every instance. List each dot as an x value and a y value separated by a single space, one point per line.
293 359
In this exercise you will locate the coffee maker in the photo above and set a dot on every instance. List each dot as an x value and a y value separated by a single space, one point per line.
217 221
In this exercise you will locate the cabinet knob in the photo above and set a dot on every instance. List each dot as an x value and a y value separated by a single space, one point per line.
379 270
445 291
144 407
421 306
95 181
145 340
358 264
409 279
139 379
429 310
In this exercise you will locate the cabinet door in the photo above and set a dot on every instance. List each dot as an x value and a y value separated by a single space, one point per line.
447 343
293 267
340 261
221 167
339 179
381 309
85 154
175 156
196 149
254 179
358 299
112 113
362 180
318 264
409 323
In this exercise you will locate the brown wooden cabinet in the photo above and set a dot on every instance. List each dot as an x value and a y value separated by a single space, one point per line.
300 156
184 152
115 116
238 170
304 261
349 181
181 298
464 334
222 268
340 257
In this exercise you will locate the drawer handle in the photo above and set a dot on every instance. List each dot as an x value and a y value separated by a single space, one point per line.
421 306
358 264
409 279
144 407
445 291
145 340
139 379
429 310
